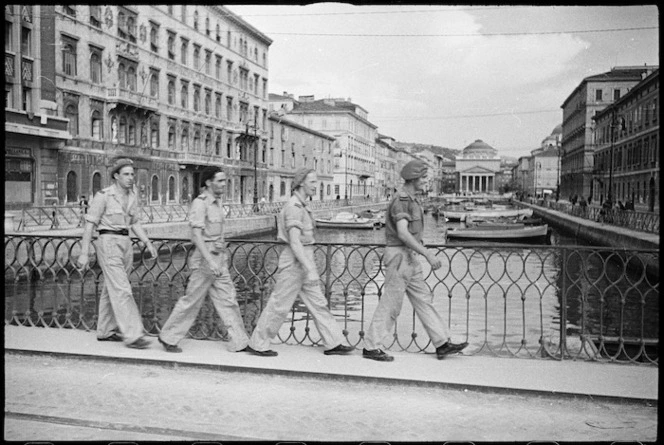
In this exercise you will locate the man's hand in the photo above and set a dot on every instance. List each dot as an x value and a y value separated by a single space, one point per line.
83 260
152 250
215 267
312 276
434 261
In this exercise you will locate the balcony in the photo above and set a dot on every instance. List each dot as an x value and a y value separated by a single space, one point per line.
121 97
192 158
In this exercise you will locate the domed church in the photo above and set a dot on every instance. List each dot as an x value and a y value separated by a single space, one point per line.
477 168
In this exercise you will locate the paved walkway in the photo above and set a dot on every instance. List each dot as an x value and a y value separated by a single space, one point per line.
484 373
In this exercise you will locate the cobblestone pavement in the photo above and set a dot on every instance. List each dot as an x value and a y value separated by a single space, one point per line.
99 400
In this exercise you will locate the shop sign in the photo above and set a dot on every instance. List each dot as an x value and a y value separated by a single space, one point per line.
20 152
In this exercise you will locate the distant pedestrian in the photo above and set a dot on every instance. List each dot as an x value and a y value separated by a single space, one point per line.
209 265
113 211
83 204
404 226
583 206
297 275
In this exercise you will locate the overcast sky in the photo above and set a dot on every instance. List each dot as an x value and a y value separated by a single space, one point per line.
446 75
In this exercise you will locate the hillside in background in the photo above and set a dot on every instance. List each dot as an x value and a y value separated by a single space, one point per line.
412 147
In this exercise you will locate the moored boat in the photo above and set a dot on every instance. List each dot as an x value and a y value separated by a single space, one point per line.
455 215
346 220
497 232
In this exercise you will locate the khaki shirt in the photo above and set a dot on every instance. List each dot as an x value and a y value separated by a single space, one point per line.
207 213
403 206
296 214
106 210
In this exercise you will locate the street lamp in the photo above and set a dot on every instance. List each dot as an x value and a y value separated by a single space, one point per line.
255 144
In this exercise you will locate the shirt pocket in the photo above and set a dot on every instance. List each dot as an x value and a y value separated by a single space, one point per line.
115 214
214 223
416 224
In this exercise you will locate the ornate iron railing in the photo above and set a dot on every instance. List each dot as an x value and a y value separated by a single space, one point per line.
506 300
71 216
635 220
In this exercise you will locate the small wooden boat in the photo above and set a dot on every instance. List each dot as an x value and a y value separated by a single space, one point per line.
498 232
453 215
346 220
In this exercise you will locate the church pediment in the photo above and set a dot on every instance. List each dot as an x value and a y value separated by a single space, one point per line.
477 170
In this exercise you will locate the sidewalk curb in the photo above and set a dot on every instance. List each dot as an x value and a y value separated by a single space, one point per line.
348 377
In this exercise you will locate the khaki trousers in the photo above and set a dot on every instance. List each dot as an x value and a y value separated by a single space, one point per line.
117 307
289 285
221 289
404 276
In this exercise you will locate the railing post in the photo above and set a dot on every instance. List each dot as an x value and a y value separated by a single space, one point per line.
563 306
328 273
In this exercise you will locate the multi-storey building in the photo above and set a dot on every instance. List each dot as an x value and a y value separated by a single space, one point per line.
449 176
354 146
34 130
626 140
387 176
593 94
293 146
175 87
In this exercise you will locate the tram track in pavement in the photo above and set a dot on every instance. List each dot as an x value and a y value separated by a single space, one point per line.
170 433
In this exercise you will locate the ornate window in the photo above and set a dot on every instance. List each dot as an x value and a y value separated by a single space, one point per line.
184 95
183 51
131 132
171 137
208 144
217 106
217 146
171 188
197 57
95 65
71 113
154 135
154 38
122 131
184 139
171 91
154 83
154 188
95 16
197 98
96 125
208 102
69 56
171 46
131 78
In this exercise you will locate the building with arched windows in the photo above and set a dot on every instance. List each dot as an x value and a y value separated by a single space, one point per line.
175 87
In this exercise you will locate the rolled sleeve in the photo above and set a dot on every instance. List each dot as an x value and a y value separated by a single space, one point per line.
400 210
197 214
293 218
96 210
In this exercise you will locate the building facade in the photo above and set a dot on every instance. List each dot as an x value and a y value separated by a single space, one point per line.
387 176
592 95
293 146
34 131
175 87
477 168
354 146
626 138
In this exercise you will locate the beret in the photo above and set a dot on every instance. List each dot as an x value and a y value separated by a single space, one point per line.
300 174
122 162
413 170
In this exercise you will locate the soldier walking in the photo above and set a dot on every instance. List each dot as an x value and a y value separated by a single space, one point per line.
297 275
404 225
112 211
209 265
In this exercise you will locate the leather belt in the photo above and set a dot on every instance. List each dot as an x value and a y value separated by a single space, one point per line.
123 232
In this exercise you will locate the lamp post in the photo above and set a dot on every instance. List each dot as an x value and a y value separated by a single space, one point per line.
255 143
346 176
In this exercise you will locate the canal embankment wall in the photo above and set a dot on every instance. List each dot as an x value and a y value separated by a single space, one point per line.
596 233
249 225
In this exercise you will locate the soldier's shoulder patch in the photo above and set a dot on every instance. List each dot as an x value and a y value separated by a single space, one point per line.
101 192
202 196
298 204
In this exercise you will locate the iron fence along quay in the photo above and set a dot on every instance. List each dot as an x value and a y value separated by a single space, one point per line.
555 302
71 216
631 219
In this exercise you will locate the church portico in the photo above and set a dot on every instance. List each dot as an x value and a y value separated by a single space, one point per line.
477 168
